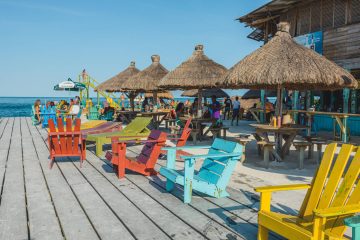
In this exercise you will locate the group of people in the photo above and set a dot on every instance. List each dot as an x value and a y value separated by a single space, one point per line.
63 107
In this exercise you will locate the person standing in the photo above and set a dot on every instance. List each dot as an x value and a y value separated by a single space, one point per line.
236 111
228 106
215 110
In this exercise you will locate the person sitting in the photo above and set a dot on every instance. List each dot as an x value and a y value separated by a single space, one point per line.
194 107
269 110
106 109
179 112
145 107
37 105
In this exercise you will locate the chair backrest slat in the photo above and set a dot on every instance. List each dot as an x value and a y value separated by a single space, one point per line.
185 134
76 136
136 125
68 138
218 171
314 193
151 150
62 137
54 139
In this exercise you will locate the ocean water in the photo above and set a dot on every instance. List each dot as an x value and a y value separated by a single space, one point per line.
21 106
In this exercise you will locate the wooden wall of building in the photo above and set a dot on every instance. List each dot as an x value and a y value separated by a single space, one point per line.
342 45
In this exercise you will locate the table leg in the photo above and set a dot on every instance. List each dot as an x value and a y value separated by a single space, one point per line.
286 147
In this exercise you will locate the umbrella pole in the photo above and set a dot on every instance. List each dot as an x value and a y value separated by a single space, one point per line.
278 137
199 112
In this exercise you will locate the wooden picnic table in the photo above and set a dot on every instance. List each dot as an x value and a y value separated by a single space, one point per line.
197 124
158 117
288 133
128 116
340 119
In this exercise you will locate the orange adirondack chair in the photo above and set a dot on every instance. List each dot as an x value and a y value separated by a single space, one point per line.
145 162
67 143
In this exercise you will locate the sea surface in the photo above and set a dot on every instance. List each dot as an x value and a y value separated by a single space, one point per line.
21 106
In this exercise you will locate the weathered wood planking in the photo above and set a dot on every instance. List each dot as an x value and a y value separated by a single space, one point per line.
73 219
43 222
13 202
139 224
154 211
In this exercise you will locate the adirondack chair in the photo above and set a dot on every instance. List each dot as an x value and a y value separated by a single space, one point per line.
145 162
354 223
66 143
181 141
137 127
214 174
93 113
333 195
46 114
33 119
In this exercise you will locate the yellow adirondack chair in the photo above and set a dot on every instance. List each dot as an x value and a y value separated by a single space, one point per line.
333 195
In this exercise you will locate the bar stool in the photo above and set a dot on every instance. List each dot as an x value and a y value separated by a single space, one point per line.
301 146
243 142
319 150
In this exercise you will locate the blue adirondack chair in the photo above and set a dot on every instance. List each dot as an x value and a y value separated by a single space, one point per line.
354 223
46 114
214 174
93 113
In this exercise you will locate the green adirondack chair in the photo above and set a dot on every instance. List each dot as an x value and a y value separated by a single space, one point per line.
214 174
354 223
93 113
137 127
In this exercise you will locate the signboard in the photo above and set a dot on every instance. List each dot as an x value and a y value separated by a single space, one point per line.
311 40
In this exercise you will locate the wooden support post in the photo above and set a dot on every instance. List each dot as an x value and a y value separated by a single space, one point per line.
295 99
263 113
354 102
346 94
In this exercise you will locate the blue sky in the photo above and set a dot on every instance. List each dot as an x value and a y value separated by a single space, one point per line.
45 42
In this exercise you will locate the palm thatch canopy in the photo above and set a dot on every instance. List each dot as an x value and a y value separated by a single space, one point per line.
166 95
255 94
197 72
115 83
207 93
147 80
283 62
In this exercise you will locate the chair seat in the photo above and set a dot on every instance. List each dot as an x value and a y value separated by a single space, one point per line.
178 176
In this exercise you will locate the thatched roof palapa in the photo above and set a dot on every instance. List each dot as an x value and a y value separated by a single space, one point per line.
197 72
283 62
147 80
207 93
115 83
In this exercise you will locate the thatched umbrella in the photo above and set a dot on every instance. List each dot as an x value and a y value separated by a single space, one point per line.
207 93
115 84
282 63
147 80
198 72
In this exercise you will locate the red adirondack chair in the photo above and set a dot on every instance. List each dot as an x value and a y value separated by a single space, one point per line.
145 162
181 141
67 143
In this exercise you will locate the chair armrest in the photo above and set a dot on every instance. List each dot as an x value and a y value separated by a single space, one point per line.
337 211
220 155
282 188
186 147
142 141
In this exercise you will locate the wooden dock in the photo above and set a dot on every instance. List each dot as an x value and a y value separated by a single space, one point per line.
69 202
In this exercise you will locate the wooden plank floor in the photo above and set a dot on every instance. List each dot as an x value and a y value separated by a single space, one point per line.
69 202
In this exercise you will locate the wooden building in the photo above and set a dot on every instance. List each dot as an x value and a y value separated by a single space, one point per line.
338 22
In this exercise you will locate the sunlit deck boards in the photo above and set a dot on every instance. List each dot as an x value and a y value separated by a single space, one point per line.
69 202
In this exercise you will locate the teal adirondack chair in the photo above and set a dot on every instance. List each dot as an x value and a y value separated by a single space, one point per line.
354 223
93 113
47 113
214 174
